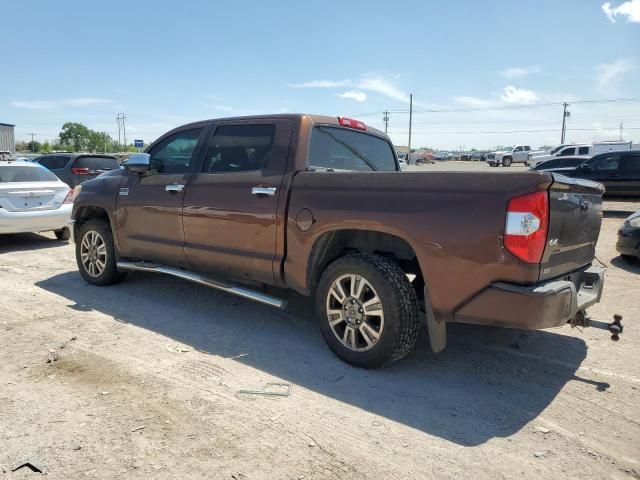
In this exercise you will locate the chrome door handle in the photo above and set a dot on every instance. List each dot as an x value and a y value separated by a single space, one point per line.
268 191
174 187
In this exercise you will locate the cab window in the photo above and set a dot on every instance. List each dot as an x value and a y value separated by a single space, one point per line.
567 151
605 164
239 148
175 153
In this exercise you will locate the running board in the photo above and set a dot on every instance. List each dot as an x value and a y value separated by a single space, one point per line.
196 278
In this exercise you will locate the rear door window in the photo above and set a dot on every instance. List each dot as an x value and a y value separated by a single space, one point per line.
239 148
631 166
338 148
606 164
583 150
567 151
96 163
55 162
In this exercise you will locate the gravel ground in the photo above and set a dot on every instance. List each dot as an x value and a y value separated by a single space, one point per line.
160 378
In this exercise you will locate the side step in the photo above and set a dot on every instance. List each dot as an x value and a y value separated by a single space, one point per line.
197 278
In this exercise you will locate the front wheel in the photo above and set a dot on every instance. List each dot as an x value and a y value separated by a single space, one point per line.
506 162
367 310
63 233
96 254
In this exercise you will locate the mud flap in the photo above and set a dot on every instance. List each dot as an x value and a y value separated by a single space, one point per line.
437 329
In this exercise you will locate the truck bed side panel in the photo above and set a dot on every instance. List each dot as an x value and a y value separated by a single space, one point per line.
454 221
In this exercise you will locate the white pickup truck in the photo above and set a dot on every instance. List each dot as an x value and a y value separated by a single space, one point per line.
518 154
582 150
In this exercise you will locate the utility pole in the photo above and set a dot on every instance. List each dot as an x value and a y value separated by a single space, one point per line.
124 132
565 114
385 119
620 131
410 120
118 120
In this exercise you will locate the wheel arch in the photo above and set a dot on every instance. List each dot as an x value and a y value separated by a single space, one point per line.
85 213
339 242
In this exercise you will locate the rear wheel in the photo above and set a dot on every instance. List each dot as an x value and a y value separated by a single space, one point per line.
63 233
96 255
367 310
506 162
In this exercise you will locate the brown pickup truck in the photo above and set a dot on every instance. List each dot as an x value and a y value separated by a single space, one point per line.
319 205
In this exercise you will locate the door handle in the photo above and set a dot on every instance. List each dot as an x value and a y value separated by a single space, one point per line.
174 187
266 191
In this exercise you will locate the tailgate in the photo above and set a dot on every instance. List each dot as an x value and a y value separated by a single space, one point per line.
575 215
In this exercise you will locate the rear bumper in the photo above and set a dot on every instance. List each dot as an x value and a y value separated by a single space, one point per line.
544 305
35 221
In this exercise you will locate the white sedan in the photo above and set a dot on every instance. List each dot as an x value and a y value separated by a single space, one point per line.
32 199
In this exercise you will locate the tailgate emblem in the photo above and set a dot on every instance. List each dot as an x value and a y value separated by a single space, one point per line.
584 206
553 242
123 191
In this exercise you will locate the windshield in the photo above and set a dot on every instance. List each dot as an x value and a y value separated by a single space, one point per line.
338 148
19 173
555 150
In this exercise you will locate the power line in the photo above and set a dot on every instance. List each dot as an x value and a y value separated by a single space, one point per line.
503 107
446 132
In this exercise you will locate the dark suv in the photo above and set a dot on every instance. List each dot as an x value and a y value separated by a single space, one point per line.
75 168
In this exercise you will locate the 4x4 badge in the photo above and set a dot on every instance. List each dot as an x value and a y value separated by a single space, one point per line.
123 191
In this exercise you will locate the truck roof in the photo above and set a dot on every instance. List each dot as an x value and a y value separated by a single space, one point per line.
315 119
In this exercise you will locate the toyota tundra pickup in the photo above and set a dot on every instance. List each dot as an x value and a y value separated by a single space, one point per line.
319 205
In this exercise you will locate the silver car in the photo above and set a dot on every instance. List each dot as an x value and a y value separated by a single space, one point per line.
32 199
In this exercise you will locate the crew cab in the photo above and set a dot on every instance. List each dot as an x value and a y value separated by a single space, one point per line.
517 154
318 205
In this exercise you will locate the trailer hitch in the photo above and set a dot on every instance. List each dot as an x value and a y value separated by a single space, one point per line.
615 327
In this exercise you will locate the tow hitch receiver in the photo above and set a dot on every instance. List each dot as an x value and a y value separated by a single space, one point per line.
616 328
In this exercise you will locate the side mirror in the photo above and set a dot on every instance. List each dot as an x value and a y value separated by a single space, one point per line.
138 163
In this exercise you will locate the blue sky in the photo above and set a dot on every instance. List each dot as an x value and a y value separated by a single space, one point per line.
168 63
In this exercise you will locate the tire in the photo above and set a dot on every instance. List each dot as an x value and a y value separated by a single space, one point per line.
506 162
63 233
397 326
108 274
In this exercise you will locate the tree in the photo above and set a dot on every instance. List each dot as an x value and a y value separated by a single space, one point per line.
33 146
45 147
75 135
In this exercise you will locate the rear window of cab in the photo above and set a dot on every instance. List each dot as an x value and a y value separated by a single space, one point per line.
339 148
19 173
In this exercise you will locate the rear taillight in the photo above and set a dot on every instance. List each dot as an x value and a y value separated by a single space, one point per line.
69 197
80 170
351 123
527 225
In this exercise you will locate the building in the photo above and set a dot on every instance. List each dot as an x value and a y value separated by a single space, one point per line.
7 138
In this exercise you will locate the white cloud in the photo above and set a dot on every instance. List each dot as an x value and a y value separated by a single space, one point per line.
322 84
384 87
512 94
369 83
516 72
473 102
607 72
54 104
630 9
356 95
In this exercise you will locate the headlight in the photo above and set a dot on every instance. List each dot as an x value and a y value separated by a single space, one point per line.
635 222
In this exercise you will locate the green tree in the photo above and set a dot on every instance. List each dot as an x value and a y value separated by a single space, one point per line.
75 135
45 147
33 146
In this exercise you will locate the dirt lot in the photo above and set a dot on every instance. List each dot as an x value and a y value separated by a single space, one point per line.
146 379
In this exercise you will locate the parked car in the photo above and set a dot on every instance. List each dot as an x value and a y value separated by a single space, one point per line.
75 168
32 199
580 150
560 164
518 154
628 244
619 172
316 204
